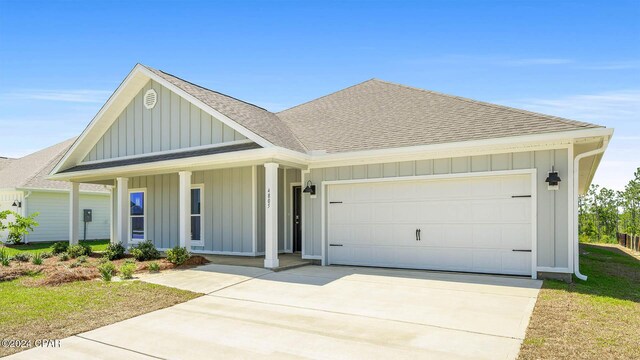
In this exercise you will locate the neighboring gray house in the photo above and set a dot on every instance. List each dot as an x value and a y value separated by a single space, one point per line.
393 176
25 190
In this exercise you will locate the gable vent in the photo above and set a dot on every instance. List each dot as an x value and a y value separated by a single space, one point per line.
150 99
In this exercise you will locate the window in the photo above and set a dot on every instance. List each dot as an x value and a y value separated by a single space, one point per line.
196 216
137 223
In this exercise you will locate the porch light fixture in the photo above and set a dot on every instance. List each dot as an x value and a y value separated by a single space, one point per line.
17 204
310 188
553 180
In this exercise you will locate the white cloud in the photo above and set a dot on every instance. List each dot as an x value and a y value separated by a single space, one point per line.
74 96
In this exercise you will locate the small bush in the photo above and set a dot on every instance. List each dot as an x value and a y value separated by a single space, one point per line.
75 264
115 251
63 256
4 258
79 250
103 260
22 257
126 270
178 255
106 270
46 255
37 259
82 259
154 267
60 247
145 251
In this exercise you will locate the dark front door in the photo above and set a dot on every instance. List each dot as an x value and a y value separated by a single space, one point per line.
297 226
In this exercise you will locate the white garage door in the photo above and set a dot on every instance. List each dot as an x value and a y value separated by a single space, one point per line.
474 224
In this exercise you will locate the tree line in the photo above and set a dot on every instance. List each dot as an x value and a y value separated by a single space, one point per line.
604 212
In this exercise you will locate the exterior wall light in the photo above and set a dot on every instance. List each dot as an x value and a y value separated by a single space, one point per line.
17 204
310 188
553 180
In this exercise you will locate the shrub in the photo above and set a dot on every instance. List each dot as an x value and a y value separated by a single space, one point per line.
145 251
63 256
154 267
126 270
20 226
87 248
78 250
178 255
37 259
46 255
22 257
106 270
4 258
82 259
75 264
60 247
114 251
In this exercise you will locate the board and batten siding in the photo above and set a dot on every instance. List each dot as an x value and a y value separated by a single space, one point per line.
284 207
173 123
53 209
226 208
552 227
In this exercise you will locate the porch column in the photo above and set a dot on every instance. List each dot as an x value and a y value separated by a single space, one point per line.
271 216
74 213
184 209
123 207
113 231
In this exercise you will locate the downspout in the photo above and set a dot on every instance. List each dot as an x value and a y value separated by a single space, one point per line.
576 171
25 212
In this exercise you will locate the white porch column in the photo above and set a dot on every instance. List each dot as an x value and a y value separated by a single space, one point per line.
123 208
184 209
271 216
112 215
74 213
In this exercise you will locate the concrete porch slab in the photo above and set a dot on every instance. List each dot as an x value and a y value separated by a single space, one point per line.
287 261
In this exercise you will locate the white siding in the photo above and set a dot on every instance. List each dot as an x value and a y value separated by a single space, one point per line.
174 123
54 216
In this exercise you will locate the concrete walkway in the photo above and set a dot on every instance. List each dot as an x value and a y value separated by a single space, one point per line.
321 313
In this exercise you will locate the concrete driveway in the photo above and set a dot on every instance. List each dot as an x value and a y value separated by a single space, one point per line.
320 312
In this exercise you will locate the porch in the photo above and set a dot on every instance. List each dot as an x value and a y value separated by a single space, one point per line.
247 215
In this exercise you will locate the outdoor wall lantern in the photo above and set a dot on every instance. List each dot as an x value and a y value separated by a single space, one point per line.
17 204
553 180
310 188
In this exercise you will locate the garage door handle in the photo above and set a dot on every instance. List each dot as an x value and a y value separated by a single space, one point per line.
418 231
521 250
335 244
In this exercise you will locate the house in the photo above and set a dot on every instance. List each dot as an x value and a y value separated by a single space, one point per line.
25 189
351 178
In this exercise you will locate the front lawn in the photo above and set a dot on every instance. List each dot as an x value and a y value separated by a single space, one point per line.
596 319
96 245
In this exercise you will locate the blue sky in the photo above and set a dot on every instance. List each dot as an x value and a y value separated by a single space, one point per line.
60 60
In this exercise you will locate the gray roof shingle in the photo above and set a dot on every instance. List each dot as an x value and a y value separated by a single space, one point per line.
377 114
32 170
258 120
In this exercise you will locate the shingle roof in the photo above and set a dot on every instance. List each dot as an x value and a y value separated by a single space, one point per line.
31 171
258 120
4 161
377 114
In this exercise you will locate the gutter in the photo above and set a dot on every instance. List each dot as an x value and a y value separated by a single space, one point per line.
576 172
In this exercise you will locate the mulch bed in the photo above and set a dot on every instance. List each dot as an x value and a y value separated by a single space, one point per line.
56 272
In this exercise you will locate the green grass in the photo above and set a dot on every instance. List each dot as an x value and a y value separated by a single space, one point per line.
589 319
55 312
96 245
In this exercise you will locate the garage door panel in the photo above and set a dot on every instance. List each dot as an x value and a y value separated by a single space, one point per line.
467 224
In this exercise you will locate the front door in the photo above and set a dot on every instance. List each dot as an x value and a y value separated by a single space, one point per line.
296 214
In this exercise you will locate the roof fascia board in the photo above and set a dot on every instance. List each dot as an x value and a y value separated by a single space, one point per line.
93 126
208 109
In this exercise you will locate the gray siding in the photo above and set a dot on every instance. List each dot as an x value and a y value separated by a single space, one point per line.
54 216
174 123
226 208
552 227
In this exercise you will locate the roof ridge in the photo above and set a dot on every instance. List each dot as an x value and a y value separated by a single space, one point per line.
324 96
492 105
205 88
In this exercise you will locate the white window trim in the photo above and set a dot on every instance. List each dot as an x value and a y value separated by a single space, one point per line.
201 241
144 216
